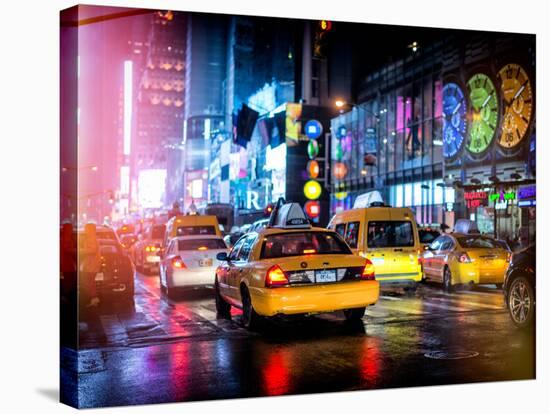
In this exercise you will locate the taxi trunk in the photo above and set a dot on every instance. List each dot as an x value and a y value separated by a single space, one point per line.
490 264
317 284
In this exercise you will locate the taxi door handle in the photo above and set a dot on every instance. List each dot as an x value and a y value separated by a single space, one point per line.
397 250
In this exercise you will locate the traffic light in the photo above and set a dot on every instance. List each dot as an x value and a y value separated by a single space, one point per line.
320 41
312 209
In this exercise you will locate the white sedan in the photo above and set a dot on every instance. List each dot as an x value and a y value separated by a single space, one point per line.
190 261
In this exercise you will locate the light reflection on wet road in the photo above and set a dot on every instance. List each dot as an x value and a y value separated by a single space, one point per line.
176 350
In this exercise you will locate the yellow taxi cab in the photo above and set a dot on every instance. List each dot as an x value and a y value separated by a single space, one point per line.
289 268
191 225
387 236
462 258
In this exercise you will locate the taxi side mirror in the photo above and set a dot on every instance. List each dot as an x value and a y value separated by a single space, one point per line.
427 247
222 257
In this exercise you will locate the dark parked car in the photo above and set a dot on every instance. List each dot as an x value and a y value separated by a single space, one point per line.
520 287
115 281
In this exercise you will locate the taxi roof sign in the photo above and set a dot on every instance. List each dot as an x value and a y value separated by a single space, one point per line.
370 199
466 226
289 216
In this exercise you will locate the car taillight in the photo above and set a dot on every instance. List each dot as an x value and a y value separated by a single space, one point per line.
509 258
275 277
464 258
177 263
368 271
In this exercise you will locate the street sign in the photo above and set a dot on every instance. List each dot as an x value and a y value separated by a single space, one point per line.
313 129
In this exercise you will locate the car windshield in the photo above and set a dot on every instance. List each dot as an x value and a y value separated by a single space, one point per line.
158 232
390 234
302 243
195 230
201 244
477 242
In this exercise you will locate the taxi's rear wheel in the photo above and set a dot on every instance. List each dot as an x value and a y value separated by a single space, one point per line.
250 319
354 314
223 309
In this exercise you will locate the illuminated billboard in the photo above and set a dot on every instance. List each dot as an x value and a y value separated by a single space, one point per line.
151 188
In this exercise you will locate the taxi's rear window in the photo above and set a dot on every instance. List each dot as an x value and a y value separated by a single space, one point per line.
302 243
201 244
390 234
477 242
195 230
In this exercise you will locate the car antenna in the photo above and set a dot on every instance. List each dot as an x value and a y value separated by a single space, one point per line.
275 211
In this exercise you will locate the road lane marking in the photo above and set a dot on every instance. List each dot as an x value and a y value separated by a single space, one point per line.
457 301
402 308
390 298
445 307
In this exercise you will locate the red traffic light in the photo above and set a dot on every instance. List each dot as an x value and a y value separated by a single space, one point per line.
312 209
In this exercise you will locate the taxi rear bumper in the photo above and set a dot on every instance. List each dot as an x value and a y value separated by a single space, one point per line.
400 279
466 273
329 297
191 277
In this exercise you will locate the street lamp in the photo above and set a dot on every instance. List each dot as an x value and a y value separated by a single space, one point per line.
341 104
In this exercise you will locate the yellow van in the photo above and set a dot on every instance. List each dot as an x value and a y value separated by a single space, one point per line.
388 236
191 225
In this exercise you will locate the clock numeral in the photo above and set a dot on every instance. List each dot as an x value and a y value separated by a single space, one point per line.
510 72
509 137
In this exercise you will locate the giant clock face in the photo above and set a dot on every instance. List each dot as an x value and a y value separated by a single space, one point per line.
517 97
484 113
454 119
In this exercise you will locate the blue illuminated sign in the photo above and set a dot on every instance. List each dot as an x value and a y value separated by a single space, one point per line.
527 192
313 129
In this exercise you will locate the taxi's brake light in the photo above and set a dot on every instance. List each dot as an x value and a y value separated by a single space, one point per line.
177 263
368 271
275 277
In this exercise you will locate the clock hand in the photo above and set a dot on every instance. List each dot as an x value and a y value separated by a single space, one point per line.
457 107
486 101
518 93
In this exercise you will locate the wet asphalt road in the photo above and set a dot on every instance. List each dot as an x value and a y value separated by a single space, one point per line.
177 350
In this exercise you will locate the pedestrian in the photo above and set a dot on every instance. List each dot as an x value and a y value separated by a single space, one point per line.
90 265
68 292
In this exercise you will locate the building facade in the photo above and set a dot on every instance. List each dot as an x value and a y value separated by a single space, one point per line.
159 109
453 118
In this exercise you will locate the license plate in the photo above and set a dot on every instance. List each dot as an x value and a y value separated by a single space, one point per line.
205 262
153 259
377 261
324 276
99 277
